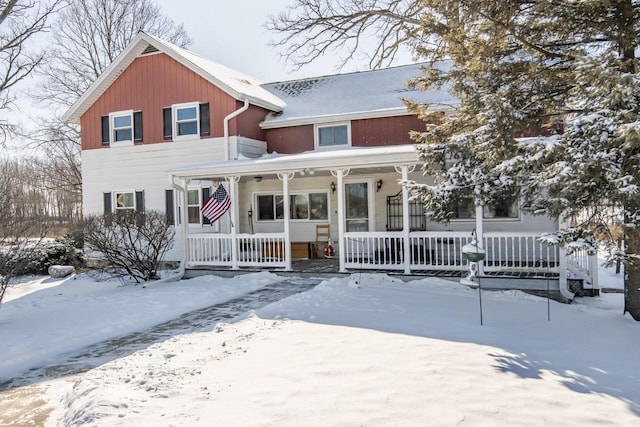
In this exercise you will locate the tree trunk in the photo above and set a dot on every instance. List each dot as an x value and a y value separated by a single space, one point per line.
632 275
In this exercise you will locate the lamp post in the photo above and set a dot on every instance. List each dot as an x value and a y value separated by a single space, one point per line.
474 254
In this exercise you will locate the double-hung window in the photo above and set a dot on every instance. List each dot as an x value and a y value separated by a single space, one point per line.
186 121
333 135
196 197
122 128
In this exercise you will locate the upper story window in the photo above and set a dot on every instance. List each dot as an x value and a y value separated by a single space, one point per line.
333 135
122 128
186 121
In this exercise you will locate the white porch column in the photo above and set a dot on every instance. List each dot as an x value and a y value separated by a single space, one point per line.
184 219
235 219
480 234
406 226
342 255
285 178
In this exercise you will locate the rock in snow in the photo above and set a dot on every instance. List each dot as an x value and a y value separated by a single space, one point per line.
60 271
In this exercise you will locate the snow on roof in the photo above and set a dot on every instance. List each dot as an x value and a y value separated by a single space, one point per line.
238 85
367 94
241 83
390 155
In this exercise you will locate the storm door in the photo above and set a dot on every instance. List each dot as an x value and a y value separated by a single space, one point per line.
357 207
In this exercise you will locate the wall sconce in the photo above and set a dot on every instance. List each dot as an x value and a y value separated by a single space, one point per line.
333 187
378 185
250 213
257 178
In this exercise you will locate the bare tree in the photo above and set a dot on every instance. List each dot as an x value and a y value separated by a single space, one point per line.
90 34
19 235
20 22
309 29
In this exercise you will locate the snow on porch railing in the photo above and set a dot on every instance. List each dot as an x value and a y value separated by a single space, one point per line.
209 249
253 250
374 250
585 266
261 250
438 250
519 252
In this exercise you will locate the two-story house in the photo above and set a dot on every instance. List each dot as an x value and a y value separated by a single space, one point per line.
162 127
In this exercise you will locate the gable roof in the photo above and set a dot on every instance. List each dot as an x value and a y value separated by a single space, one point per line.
238 85
366 94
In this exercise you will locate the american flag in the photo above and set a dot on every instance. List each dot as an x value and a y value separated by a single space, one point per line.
216 205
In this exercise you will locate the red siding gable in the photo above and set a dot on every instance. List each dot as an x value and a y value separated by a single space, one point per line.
153 82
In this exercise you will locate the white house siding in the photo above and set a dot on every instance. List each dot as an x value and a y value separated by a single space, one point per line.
143 167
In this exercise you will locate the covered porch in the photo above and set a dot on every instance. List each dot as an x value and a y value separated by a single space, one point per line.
360 194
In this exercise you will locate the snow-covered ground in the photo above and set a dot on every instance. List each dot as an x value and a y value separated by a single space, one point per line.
360 350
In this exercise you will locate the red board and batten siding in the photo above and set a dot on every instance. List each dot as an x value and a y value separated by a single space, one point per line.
364 133
385 131
289 140
154 82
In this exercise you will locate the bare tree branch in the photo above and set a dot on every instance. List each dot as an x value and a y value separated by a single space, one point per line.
90 34
20 22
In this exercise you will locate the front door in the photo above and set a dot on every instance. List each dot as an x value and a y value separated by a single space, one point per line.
357 207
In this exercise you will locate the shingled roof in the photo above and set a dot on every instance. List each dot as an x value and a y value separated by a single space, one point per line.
376 93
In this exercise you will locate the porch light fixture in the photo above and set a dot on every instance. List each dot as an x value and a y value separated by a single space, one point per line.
257 178
378 185
333 187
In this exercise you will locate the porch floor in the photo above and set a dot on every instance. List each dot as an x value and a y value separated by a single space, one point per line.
332 267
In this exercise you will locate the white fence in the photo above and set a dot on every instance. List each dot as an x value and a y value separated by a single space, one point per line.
585 266
519 252
253 250
428 250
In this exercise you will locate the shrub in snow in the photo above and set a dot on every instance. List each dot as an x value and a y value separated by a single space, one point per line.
36 258
133 244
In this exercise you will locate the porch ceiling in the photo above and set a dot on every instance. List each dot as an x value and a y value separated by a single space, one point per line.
323 161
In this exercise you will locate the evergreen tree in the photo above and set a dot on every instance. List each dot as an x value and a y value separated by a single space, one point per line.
561 68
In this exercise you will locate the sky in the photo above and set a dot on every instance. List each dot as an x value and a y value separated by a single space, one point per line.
233 33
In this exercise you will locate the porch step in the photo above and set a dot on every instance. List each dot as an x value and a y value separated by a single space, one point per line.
576 286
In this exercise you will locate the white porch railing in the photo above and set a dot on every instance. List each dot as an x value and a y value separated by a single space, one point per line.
585 266
429 250
374 250
442 250
438 250
261 250
209 249
254 250
519 252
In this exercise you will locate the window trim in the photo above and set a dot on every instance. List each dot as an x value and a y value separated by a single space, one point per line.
112 128
296 193
316 135
114 201
175 122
